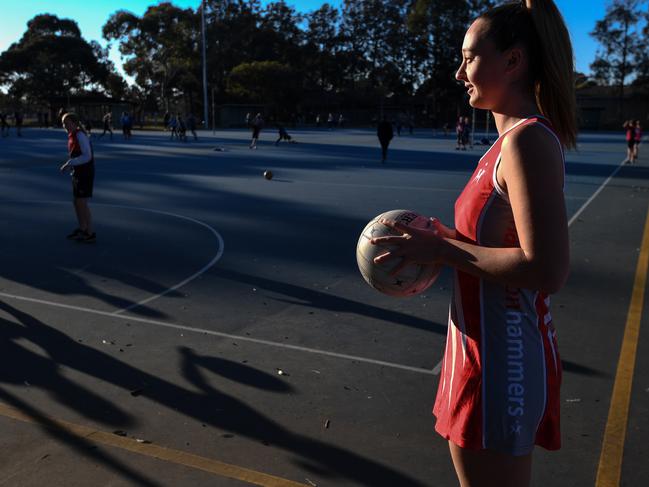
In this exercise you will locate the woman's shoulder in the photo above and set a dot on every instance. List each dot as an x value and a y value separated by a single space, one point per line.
536 135
535 143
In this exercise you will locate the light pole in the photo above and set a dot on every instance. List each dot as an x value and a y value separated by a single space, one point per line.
472 127
213 114
205 113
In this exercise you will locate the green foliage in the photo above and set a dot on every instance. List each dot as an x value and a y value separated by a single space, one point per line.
622 47
264 81
269 53
438 27
161 49
322 47
52 60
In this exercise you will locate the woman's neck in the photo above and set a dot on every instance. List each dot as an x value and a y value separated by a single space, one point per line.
513 112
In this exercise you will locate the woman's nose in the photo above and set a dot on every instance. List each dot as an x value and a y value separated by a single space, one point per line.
460 74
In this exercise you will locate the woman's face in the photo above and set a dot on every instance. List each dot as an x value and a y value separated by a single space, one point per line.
483 68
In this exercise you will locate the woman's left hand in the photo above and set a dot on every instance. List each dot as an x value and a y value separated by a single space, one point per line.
413 246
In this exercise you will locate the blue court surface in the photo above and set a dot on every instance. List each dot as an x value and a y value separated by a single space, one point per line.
219 333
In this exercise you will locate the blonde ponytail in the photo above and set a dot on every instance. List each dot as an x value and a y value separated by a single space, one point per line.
538 24
555 86
74 118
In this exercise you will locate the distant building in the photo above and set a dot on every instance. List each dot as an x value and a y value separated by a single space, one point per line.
599 108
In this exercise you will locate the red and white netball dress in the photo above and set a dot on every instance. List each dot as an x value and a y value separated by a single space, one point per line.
499 385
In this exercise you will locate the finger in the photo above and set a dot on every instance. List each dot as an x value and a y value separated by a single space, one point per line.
390 240
383 258
438 227
403 228
400 227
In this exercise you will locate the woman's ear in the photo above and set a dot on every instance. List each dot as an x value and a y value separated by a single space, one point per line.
515 62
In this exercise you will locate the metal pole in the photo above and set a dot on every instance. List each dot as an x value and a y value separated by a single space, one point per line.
473 127
487 136
213 114
205 113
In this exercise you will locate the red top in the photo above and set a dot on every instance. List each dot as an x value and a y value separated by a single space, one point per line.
499 384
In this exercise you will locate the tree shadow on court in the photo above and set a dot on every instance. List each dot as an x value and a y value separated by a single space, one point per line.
208 405
332 463
114 270
315 299
79 444
197 158
24 367
68 283
321 156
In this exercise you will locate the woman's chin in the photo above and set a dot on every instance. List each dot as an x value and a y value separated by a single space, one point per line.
476 102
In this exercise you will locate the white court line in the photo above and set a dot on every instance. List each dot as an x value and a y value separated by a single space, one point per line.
216 333
595 194
198 273
201 271
436 370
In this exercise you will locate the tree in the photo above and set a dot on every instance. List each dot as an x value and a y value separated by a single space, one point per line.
52 60
322 45
621 45
643 58
232 38
269 82
353 43
439 27
282 21
161 50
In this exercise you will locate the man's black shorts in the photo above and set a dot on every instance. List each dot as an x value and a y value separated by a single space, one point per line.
83 179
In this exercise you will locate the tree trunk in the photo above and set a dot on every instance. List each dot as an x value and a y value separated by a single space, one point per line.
623 70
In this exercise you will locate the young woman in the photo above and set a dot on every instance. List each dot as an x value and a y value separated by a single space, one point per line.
257 125
81 164
498 393
108 125
637 137
459 132
629 136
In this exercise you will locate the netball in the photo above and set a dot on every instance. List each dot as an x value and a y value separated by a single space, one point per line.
413 279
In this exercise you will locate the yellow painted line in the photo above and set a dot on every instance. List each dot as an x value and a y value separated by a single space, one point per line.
610 460
159 452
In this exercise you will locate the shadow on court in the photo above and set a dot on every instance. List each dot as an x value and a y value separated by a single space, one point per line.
163 154
315 299
210 405
122 268
313 155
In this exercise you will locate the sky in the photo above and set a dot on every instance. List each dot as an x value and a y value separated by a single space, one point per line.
580 15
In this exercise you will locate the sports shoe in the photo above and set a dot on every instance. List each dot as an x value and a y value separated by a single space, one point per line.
75 235
88 237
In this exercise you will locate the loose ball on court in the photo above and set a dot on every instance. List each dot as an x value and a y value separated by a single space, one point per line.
411 280
268 175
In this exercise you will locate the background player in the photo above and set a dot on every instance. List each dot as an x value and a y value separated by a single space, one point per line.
82 167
